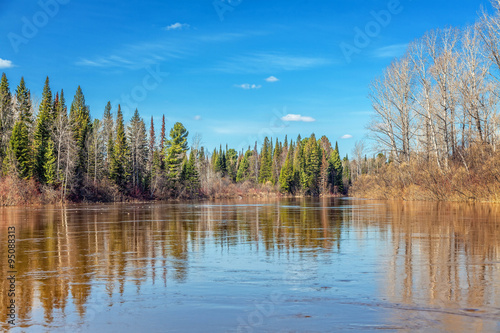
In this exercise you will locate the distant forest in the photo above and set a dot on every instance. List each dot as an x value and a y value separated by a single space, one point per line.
48 155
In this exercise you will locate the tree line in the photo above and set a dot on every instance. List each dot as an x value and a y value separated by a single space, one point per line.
106 159
436 124
441 97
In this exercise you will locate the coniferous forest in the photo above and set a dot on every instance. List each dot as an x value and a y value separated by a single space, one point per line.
51 155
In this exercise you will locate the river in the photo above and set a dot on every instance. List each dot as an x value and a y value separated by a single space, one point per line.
291 265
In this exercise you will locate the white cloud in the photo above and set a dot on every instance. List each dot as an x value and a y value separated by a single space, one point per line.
197 117
346 136
247 86
269 62
391 51
272 79
5 63
177 26
297 117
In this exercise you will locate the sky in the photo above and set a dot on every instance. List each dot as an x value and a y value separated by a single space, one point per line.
232 71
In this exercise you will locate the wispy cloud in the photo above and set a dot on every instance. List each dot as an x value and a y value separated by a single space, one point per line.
346 136
176 26
269 62
247 86
297 117
136 56
197 117
5 63
390 51
272 79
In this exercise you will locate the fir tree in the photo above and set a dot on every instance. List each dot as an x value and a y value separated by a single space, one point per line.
19 153
176 148
19 157
189 175
336 171
244 167
50 168
79 117
107 120
286 174
276 166
42 131
138 149
6 116
309 176
119 169
265 172
23 103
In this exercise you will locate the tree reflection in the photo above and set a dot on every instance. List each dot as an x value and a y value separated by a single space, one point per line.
443 255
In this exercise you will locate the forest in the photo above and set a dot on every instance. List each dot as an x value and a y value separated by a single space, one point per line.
48 155
436 124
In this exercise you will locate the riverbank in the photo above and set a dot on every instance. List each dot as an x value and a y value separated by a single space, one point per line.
19 192
473 179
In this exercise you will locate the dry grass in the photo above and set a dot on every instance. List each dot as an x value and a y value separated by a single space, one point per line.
476 177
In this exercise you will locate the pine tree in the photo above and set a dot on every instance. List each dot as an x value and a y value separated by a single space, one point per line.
6 116
231 163
176 148
276 167
23 103
42 132
107 120
336 171
265 172
244 167
347 172
119 169
309 176
138 149
19 157
79 117
151 153
189 175
50 167
286 173
19 153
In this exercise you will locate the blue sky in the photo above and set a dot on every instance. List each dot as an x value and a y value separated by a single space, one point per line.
232 71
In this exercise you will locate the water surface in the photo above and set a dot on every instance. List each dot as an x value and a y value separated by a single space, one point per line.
295 265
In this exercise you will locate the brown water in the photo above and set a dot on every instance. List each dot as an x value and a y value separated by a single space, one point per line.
310 265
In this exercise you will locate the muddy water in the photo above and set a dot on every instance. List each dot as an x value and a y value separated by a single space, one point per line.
287 266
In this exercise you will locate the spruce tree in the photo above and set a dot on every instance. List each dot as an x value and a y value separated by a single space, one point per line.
276 166
176 148
107 120
6 116
244 167
138 149
79 117
43 131
189 174
119 168
309 176
265 172
336 171
50 167
286 174
19 153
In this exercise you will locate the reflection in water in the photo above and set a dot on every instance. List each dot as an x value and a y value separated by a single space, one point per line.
433 263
